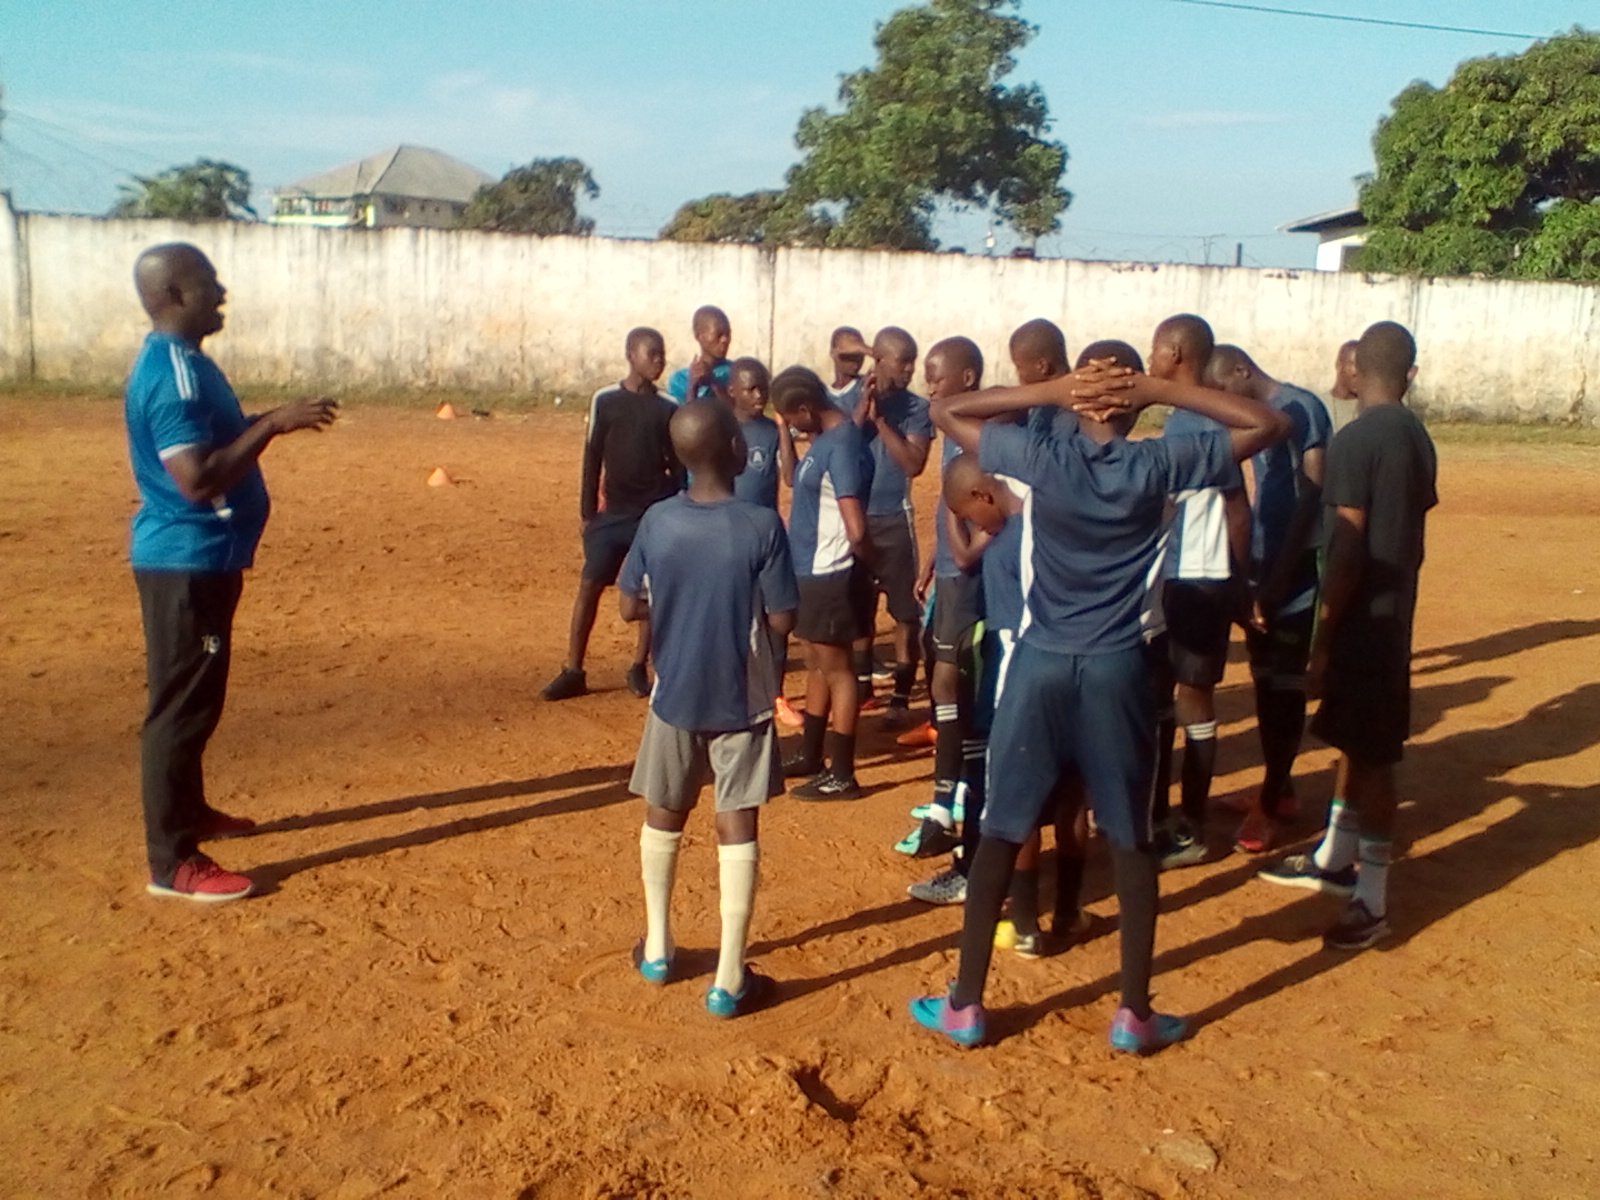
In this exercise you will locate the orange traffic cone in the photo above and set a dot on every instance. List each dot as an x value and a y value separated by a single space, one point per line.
440 478
447 412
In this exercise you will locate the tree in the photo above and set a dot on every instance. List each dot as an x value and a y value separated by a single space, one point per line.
770 218
1498 172
932 121
541 197
204 190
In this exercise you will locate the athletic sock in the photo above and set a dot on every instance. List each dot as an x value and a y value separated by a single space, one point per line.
987 883
1025 900
738 869
1069 888
863 661
946 753
1199 765
1281 715
974 767
1372 877
1337 850
905 674
1166 736
1138 898
842 754
658 866
812 732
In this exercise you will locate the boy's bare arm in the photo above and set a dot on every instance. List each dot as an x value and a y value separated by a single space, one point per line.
1341 579
1252 425
634 608
781 623
787 458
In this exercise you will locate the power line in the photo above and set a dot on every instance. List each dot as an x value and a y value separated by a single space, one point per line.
1353 20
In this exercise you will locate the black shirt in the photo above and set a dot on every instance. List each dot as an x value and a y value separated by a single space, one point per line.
1384 463
628 463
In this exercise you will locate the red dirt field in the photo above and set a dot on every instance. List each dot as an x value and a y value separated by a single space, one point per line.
433 997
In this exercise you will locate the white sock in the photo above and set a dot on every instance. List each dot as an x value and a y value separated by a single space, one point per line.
1372 877
1337 850
738 868
658 865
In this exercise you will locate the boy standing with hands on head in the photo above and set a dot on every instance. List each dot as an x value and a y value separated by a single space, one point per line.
713 576
628 465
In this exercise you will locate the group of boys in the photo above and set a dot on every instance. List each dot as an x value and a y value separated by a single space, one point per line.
1083 589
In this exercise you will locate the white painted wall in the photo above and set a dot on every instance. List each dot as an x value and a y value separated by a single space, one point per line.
419 308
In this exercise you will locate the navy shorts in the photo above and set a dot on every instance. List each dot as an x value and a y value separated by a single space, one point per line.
835 610
893 570
1089 713
607 538
1366 697
956 603
994 655
1199 617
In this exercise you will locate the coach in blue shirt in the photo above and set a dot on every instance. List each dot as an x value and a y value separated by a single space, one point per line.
203 506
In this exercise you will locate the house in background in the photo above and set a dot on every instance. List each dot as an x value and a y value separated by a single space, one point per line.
403 186
1342 232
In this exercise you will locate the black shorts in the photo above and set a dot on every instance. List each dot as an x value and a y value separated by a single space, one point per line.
1366 697
955 617
894 564
835 609
1158 650
1278 656
606 541
1199 616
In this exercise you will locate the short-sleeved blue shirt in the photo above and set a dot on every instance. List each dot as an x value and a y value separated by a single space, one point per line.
1092 525
847 397
944 563
1200 549
837 466
1002 577
177 398
1277 470
712 573
908 414
758 482
678 382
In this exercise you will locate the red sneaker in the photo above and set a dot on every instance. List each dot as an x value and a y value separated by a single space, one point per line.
216 825
785 714
1245 802
1258 833
874 704
920 738
201 879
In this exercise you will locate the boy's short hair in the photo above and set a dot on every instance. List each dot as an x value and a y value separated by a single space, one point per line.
898 340
1118 352
1386 351
961 353
708 314
798 387
640 333
1039 338
843 332
753 366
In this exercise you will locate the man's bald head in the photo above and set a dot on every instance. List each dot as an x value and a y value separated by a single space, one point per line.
703 436
1385 356
1039 350
177 285
894 359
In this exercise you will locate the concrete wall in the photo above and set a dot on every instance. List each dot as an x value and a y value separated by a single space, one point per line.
418 308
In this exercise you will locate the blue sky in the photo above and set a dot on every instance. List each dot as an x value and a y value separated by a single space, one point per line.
1190 128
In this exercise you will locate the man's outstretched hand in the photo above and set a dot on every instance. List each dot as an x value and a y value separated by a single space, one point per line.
315 413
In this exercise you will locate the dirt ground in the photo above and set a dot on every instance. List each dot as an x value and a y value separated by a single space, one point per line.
433 997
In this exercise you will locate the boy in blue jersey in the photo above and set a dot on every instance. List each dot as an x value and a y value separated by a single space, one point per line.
713 575
1202 596
707 373
952 366
848 352
203 507
900 433
1285 510
628 465
770 454
1076 692
828 534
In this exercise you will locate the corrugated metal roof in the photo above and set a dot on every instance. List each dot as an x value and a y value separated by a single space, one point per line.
1339 218
413 171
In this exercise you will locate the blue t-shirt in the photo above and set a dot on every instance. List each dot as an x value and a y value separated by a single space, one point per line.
758 482
1200 549
712 573
837 466
847 397
1092 525
944 563
178 398
678 383
1277 471
907 413
1002 578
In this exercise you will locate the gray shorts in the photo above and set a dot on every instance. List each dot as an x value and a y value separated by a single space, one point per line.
674 764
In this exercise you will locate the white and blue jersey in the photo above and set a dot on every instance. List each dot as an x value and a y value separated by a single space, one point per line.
758 482
907 413
837 467
1200 549
178 399
1277 471
1091 526
846 398
678 382
711 573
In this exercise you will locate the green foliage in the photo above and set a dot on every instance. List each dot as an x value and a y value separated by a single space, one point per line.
932 121
204 190
771 218
1498 172
541 197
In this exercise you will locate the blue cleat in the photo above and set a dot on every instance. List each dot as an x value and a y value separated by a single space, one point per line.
963 1026
753 992
651 970
1156 1032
